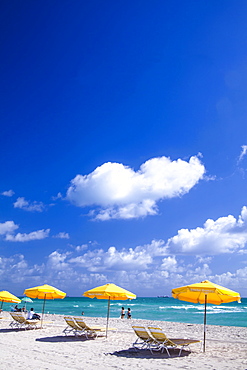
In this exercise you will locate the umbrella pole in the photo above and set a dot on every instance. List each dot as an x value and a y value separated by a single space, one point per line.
205 321
1 305
108 314
43 310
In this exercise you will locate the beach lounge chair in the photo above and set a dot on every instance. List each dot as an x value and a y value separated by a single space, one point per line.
164 342
15 322
72 327
90 330
144 339
21 322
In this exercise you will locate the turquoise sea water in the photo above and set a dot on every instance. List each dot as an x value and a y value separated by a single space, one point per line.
163 309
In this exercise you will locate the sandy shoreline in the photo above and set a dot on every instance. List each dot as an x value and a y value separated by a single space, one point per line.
49 348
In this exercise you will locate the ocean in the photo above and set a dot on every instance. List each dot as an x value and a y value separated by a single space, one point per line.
162 309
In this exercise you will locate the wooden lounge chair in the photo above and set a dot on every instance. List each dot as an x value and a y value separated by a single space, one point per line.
72 327
164 342
21 322
144 339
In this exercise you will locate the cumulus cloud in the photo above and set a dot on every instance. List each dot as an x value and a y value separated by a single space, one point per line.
16 272
170 264
225 235
138 258
112 259
121 192
22 203
59 267
8 227
80 248
61 235
56 261
35 235
152 274
12 267
8 193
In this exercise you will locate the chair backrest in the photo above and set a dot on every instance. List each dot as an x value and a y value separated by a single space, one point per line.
21 318
69 320
13 314
141 332
80 322
158 334
18 316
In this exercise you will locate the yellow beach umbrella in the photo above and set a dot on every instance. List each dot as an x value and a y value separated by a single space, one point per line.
109 292
44 292
6 296
205 292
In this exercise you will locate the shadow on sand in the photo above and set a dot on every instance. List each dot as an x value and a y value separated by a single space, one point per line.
63 338
145 353
15 330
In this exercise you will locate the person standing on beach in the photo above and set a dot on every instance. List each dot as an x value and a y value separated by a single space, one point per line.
122 313
129 313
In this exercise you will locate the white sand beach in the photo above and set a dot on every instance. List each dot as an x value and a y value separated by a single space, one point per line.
49 348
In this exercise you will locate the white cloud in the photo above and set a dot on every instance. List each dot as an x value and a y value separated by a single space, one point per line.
151 275
35 235
80 248
139 258
147 207
61 235
12 267
56 261
120 192
8 193
203 270
18 274
58 196
98 260
156 248
170 264
225 235
243 153
8 227
204 259
27 206
233 280
126 260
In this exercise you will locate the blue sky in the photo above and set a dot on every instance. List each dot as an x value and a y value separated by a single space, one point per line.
123 144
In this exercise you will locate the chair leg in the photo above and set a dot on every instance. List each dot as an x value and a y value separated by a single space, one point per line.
167 352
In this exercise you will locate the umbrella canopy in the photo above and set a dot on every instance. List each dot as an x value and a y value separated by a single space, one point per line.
26 299
205 292
110 292
6 296
44 292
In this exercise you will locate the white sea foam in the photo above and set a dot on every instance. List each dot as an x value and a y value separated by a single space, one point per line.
185 307
201 307
122 304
